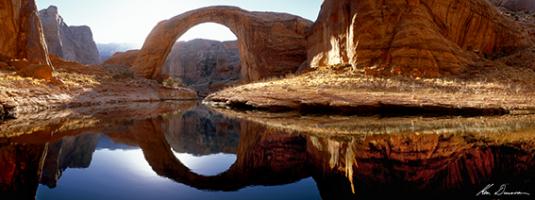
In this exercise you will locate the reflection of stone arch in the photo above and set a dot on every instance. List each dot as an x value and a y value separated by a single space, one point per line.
252 167
271 44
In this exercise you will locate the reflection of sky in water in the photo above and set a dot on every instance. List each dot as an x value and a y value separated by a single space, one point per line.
124 174
208 165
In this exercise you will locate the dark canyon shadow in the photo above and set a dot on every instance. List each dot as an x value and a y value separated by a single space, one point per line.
457 160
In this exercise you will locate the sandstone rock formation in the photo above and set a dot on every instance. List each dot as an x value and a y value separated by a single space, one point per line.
39 71
419 38
73 43
205 65
106 51
21 35
271 44
123 59
516 5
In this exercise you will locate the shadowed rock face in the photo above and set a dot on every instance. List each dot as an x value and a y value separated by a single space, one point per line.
419 38
69 152
21 35
205 65
20 170
271 44
516 5
73 43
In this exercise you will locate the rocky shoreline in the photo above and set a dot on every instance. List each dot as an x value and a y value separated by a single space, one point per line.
76 85
374 109
348 93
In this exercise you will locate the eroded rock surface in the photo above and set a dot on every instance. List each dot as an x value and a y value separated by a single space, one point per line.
271 44
21 35
420 38
73 43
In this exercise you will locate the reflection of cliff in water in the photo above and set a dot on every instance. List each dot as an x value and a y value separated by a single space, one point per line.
20 170
69 152
405 163
202 132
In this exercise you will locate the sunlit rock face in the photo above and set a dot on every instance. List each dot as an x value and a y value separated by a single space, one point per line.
205 65
516 5
21 35
419 38
271 44
73 43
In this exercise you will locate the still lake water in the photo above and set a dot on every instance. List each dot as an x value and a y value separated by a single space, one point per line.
200 153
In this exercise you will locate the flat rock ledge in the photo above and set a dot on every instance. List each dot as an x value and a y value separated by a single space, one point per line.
365 109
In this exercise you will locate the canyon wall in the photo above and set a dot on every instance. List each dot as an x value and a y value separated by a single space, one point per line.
21 38
205 65
73 43
419 38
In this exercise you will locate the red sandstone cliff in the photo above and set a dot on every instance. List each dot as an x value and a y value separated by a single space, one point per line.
21 38
428 38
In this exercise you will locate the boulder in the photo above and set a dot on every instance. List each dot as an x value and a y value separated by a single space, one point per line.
72 43
419 38
19 64
39 71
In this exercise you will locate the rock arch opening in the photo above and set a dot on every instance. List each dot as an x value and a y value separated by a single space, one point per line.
270 44
206 58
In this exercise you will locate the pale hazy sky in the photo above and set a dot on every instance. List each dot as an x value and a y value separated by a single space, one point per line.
130 21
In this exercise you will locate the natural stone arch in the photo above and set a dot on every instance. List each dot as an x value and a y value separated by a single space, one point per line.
255 164
271 44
